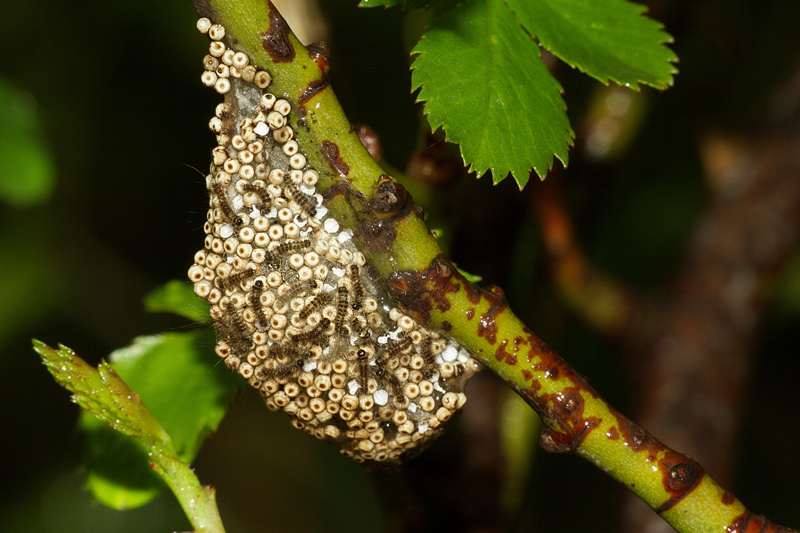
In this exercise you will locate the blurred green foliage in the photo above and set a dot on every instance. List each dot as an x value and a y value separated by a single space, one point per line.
120 109
27 173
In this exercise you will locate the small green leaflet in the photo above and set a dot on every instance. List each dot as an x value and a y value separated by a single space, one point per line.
174 375
484 82
610 40
109 403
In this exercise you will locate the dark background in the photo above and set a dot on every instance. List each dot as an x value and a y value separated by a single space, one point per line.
124 118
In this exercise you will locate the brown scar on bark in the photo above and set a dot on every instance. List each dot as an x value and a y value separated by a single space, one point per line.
487 326
390 196
563 411
680 474
276 40
341 188
330 151
388 206
420 291
751 523
312 89
511 358
319 54
502 355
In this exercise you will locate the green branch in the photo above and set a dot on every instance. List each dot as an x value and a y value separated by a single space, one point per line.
389 229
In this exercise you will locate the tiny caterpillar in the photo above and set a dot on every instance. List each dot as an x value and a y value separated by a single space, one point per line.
314 304
230 282
306 202
358 291
286 247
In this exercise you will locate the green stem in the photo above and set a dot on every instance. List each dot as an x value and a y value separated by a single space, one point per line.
390 230
198 502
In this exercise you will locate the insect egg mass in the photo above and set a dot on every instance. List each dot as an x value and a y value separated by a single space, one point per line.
298 310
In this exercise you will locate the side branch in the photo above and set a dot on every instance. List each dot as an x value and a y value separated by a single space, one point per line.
389 229
604 303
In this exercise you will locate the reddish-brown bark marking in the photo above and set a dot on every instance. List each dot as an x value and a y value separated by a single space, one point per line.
750 523
341 187
385 209
439 283
330 151
446 326
470 313
728 498
320 53
636 437
502 355
404 282
562 412
474 292
553 366
549 372
568 427
487 327
680 475
312 89
276 41
612 433
418 292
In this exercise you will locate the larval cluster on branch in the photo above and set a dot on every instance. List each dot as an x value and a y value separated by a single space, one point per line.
298 310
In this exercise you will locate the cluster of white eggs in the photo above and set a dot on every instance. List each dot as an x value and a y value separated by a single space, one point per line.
295 303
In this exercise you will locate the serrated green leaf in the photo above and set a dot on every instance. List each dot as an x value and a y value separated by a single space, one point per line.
484 83
27 171
178 297
607 39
